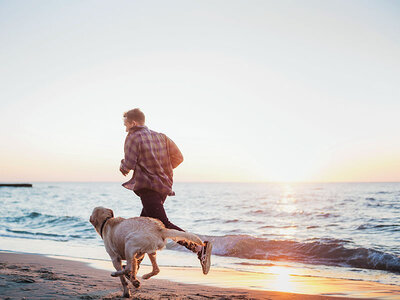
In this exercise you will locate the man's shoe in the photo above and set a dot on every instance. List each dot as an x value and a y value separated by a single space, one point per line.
204 256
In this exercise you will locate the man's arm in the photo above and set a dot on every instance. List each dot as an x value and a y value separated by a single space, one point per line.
175 154
131 150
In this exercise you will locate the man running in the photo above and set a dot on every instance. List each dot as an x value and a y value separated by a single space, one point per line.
152 156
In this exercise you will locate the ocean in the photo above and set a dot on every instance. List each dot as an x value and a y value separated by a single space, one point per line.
339 230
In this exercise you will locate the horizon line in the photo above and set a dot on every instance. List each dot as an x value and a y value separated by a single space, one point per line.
265 182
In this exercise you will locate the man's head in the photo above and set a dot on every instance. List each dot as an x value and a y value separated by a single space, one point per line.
133 117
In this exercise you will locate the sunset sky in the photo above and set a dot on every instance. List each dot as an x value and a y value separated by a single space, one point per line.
248 90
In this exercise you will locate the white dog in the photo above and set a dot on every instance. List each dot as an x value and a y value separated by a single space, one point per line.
130 239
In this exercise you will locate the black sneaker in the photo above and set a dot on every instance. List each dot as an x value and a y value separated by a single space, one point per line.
204 256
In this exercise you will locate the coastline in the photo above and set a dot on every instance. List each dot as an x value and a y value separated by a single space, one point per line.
35 276
39 277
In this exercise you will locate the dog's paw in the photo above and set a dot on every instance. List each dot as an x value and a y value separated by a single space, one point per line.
114 274
151 274
147 276
136 283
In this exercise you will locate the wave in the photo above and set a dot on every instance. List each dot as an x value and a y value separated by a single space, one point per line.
231 221
390 227
43 226
325 251
334 252
256 212
36 233
32 216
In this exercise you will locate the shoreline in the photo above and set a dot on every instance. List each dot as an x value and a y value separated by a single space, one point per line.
37 277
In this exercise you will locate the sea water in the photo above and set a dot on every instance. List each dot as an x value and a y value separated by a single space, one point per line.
347 230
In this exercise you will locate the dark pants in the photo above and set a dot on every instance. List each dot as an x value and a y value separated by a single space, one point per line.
153 207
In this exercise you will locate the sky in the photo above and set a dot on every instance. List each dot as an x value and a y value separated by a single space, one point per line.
252 91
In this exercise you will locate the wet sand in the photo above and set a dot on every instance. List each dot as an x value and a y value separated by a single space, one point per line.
32 276
38 277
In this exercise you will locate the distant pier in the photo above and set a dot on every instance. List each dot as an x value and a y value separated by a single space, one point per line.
16 184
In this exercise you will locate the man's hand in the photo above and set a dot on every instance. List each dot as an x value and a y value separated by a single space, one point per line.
123 171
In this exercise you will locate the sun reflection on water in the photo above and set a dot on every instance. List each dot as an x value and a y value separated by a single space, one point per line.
287 204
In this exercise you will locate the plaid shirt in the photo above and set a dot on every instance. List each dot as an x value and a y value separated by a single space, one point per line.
152 156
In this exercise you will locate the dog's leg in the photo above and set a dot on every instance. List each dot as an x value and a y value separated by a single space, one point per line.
135 282
118 266
123 271
155 270
139 260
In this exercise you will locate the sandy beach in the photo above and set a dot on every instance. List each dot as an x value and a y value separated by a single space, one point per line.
31 276
39 277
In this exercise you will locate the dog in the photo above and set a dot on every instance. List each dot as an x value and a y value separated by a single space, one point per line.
130 239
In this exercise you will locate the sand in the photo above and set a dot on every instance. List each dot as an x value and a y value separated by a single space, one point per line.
29 276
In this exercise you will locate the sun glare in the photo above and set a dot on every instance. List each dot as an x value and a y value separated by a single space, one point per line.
287 201
282 281
290 168
287 204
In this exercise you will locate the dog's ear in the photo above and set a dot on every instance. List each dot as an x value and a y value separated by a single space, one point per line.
111 212
93 221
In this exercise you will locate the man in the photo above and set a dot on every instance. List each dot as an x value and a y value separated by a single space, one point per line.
152 156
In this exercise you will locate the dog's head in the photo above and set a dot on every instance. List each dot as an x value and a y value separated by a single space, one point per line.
99 214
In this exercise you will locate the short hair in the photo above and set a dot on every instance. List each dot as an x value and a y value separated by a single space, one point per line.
135 115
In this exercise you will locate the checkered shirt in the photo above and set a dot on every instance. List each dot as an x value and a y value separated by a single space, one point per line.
152 156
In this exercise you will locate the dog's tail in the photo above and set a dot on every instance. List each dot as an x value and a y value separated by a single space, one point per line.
177 235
